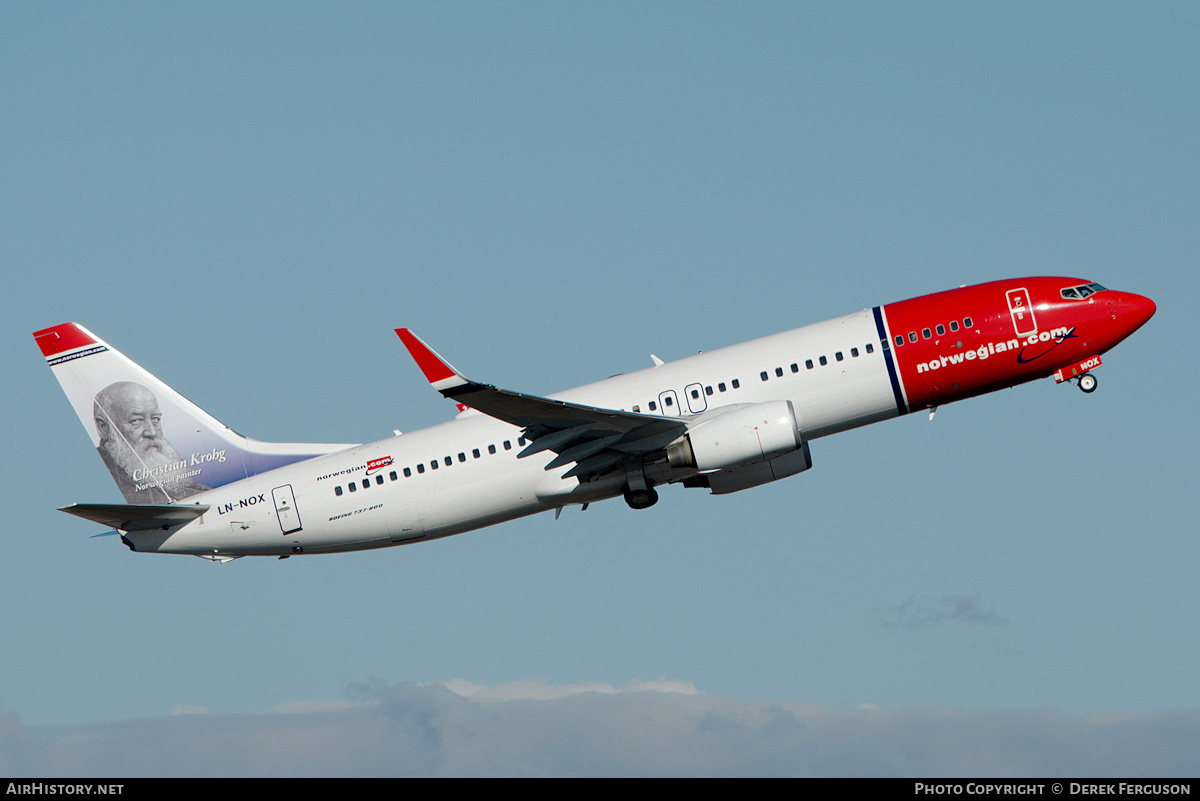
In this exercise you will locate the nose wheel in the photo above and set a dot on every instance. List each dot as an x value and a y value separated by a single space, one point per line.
641 498
1087 382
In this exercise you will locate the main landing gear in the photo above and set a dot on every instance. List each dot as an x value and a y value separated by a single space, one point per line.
642 498
1087 382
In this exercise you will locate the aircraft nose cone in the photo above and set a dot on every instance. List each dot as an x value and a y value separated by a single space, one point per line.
1138 309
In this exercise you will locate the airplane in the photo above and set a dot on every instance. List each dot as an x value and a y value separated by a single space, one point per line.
725 420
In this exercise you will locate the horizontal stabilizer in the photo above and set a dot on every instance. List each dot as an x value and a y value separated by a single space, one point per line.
125 517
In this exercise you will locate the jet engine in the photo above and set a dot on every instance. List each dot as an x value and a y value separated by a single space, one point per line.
741 436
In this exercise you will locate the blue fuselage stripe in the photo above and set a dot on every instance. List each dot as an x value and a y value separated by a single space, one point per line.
901 407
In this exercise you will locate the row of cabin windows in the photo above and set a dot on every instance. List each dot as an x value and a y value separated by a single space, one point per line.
668 401
353 486
822 360
926 333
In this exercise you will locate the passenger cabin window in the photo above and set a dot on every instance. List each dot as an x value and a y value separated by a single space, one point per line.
941 329
871 348
954 325
808 364
763 375
735 383
967 323
337 490
823 361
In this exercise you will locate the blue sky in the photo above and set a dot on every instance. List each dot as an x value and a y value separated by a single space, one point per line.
247 199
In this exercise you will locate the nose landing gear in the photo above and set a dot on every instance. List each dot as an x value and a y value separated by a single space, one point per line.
1080 373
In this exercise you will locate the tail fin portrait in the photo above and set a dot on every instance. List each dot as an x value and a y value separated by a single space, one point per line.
158 446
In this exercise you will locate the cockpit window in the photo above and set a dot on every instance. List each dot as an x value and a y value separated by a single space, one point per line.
1080 292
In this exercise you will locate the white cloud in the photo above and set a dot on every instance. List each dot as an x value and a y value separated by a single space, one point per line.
537 729
543 691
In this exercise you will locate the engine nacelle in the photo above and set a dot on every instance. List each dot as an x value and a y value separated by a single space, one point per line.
742 436
753 475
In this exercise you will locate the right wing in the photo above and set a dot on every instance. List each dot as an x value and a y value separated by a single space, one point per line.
595 439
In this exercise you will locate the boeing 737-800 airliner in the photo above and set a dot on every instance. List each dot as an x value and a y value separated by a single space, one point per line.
726 420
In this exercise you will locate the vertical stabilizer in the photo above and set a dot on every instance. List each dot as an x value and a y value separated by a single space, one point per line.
158 446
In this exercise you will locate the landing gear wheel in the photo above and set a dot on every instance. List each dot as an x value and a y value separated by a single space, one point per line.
640 498
1087 382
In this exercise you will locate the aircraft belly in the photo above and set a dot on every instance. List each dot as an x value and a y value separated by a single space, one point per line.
846 405
206 536
490 499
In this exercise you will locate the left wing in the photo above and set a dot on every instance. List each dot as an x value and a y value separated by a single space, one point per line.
594 438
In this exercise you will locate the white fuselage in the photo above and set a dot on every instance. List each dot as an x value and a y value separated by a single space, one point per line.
465 474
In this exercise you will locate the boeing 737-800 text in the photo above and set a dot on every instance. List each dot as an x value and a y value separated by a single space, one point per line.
726 420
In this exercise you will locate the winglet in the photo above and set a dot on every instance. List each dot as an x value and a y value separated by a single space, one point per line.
437 370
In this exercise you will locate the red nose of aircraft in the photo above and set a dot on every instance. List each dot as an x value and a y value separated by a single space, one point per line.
1136 310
